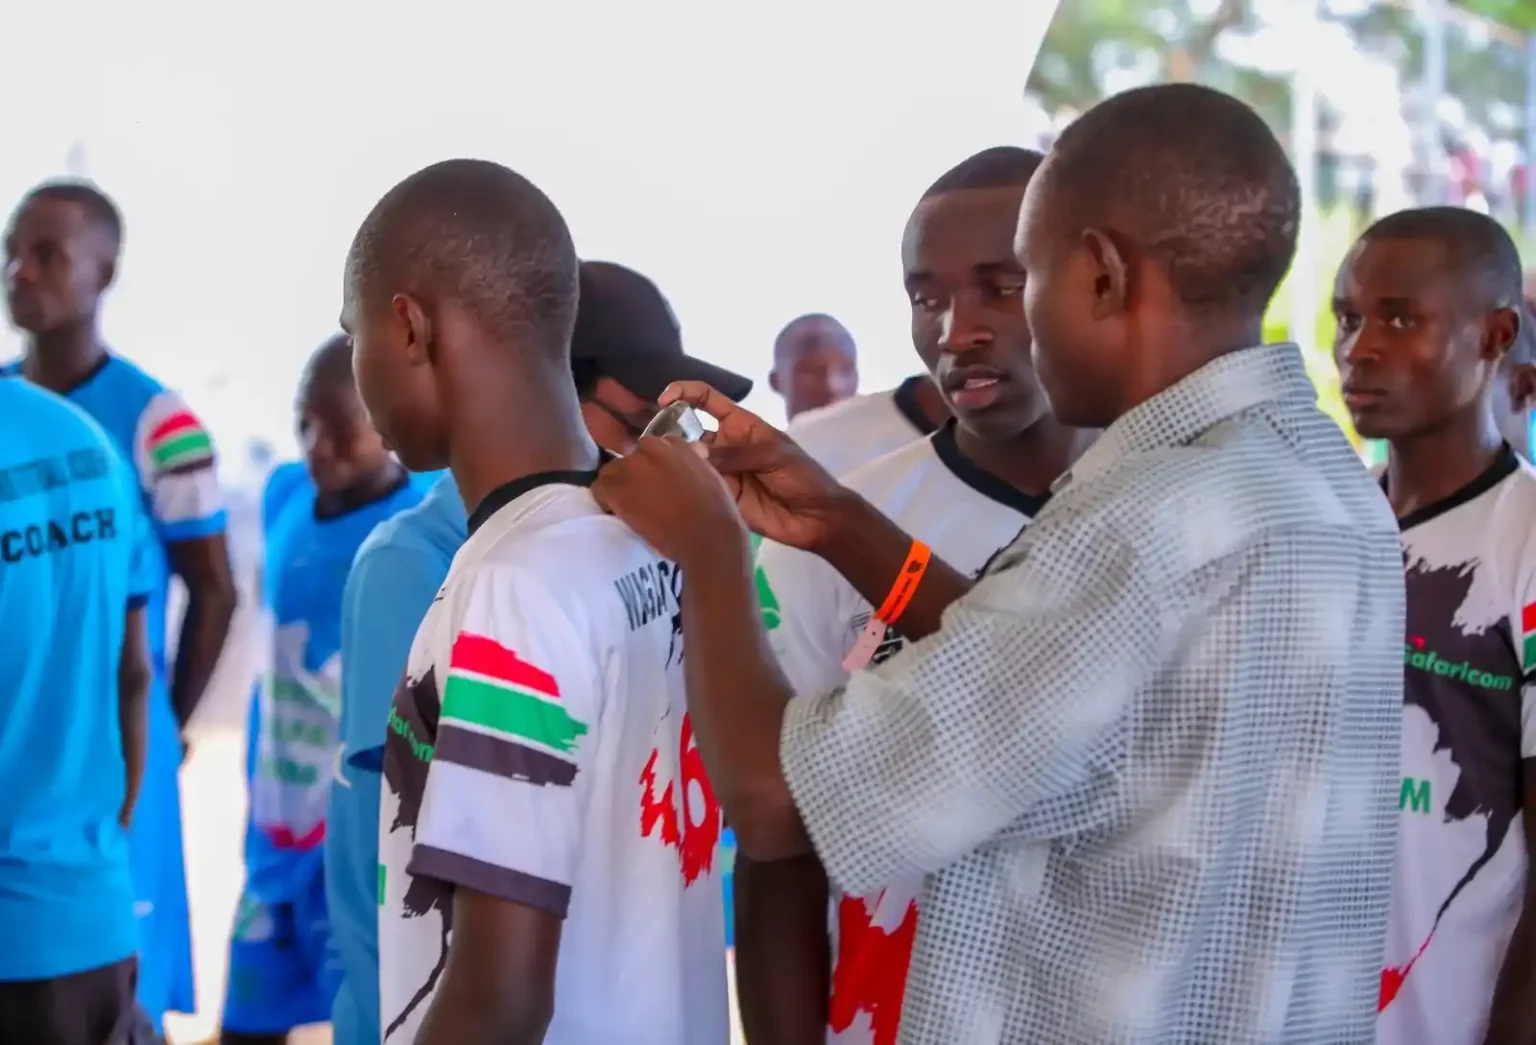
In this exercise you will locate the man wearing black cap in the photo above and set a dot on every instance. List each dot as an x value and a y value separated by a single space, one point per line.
625 349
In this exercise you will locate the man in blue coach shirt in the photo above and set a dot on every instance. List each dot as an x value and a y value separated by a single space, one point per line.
74 582
625 349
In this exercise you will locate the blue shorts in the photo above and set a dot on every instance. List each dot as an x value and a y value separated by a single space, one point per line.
281 973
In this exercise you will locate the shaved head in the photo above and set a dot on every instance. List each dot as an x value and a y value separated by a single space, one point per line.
1191 177
480 236
813 327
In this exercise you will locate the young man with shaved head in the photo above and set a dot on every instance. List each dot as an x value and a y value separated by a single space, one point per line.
1432 356
548 838
815 364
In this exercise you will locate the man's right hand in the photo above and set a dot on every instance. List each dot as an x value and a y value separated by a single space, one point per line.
781 493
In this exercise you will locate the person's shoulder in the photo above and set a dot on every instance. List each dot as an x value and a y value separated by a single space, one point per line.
40 420
122 375
26 402
896 468
568 562
842 416
1507 526
434 526
1195 503
283 485
412 535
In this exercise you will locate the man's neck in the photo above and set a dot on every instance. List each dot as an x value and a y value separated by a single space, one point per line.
1184 347
61 359
1425 469
514 444
1031 461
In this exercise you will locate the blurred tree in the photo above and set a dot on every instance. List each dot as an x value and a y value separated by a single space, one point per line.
1094 45
1485 71
1519 15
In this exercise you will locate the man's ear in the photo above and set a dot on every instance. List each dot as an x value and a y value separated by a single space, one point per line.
1501 329
1111 274
420 348
773 381
108 275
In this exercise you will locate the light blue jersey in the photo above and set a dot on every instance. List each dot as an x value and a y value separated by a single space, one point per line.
282 974
394 579
75 556
172 457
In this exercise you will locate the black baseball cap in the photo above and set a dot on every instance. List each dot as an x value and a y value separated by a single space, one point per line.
626 330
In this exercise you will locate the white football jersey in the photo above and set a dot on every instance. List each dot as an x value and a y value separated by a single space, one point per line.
814 616
540 751
856 431
1469 721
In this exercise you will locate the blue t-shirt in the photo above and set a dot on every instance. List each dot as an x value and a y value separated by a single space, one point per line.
73 561
394 579
307 561
172 457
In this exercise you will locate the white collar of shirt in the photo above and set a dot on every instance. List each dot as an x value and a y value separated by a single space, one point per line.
1222 388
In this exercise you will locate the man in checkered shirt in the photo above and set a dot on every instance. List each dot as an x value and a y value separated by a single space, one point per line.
1148 763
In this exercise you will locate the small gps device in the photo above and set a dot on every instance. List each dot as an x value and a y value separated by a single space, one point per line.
677 419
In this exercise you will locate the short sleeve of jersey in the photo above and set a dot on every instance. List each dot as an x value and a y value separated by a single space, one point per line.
807 613
511 767
1525 631
175 459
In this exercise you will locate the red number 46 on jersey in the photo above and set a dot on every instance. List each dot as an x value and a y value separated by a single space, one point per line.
686 815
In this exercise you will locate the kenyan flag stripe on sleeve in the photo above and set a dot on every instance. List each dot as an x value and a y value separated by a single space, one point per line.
502 703
1528 636
178 441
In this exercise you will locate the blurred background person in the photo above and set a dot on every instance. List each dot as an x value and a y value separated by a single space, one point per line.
74 584
61 253
281 976
815 364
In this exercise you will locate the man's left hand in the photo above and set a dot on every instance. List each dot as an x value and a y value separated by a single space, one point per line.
671 496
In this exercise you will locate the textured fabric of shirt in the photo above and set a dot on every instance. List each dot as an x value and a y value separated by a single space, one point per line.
1149 764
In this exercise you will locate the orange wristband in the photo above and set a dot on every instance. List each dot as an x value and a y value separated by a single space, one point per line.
905 584
896 602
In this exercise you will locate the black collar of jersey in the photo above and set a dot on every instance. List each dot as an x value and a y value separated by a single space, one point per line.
332 513
905 398
1504 465
981 480
506 493
13 369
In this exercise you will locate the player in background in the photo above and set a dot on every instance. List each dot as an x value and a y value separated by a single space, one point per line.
61 253
815 364
562 830
1428 304
278 972
74 583
966 491
626 348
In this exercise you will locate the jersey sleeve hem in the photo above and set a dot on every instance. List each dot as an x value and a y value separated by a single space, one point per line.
193 529
138 602
504 883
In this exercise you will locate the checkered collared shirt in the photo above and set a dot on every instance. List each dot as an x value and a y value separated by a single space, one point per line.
1149 765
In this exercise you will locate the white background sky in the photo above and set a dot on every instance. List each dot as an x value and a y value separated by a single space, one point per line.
757 161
